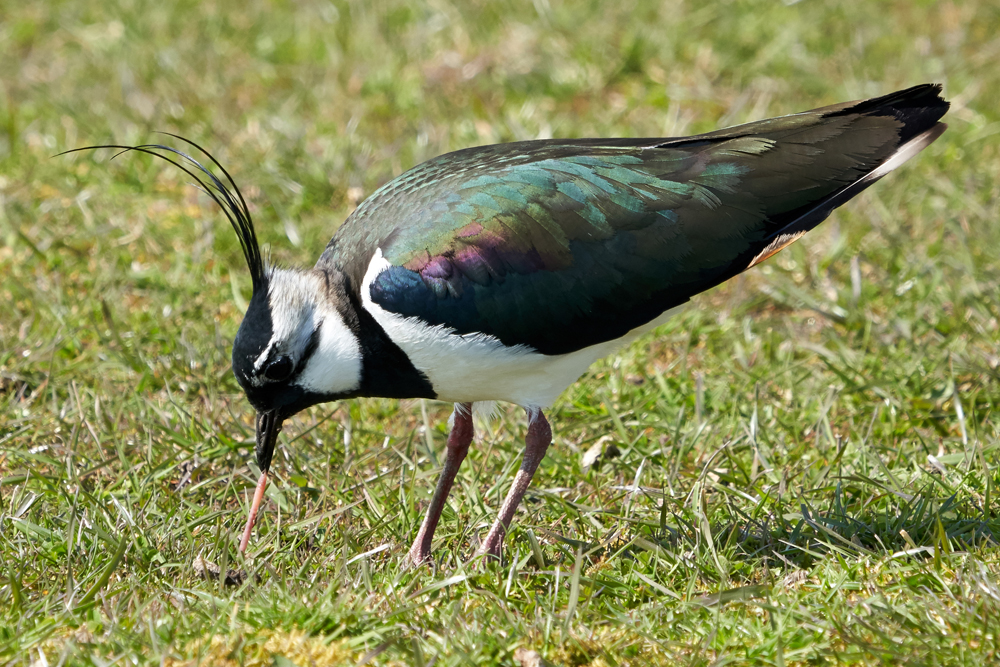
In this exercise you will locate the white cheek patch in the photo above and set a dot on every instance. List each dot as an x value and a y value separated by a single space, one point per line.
335 365
298 307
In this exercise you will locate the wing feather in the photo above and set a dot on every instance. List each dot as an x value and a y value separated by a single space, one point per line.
559 245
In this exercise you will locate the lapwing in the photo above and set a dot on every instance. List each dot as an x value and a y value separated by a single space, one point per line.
500 273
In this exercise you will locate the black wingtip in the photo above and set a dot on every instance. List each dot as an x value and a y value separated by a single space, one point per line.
917 108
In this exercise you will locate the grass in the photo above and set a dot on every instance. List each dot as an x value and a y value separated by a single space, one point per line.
806 457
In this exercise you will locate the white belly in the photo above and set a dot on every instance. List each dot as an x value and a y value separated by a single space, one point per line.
477 367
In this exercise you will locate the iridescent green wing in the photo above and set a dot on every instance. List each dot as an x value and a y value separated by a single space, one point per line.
558 245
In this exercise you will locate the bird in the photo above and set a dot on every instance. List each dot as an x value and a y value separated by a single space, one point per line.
502 272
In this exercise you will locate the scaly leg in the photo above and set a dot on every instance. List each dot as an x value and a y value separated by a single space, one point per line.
537 441
458 446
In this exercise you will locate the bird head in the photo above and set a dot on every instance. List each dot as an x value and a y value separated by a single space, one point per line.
297 346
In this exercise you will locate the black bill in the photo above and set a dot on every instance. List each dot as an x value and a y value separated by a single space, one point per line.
268 428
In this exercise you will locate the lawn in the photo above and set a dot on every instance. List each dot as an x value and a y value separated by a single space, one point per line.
801 468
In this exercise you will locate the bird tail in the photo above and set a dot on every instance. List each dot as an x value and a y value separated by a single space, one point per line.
917 109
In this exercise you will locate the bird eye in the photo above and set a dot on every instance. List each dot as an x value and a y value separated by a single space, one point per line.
279 369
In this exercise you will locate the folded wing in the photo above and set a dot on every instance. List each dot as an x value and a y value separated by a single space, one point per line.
562 244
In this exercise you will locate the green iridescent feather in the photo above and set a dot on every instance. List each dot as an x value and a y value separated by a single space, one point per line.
560 244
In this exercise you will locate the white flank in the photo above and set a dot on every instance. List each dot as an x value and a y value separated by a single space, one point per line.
477 367
297 308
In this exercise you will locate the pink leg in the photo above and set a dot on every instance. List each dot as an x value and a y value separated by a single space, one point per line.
537 441
458 447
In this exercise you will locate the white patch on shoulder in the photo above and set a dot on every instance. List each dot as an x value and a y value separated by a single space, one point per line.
477 367
298 306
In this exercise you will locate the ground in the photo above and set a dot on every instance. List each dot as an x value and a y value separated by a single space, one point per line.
798 469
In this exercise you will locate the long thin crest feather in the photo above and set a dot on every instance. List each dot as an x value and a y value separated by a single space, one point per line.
230 201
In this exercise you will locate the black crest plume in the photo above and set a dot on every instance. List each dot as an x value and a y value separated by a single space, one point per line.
226 194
